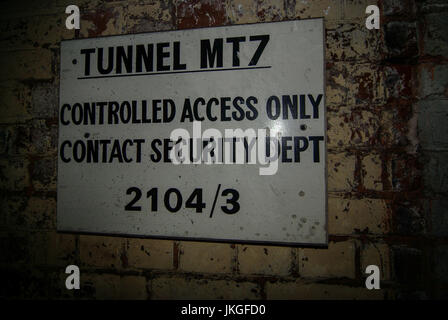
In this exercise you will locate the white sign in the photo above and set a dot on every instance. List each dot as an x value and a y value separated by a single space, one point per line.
213 133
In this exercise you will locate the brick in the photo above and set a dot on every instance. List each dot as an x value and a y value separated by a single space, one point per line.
111 287
408 266
347 216
15 102
439 217
150 254
30 64
311 291
401 39
432 131
341 172
408 218
205 257
404 8
440 264
376 254
435 172
435 35
149 17
14 174
399 82
434 81
204 289
265 260
338 260
101 251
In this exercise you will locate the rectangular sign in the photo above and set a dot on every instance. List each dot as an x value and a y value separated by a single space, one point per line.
212 133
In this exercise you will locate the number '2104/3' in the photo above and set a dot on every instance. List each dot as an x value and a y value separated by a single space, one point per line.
173 200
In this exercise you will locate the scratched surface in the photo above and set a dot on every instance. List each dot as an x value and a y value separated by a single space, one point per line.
287 207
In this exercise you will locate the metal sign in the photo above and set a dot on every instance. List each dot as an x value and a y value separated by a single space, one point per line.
213 133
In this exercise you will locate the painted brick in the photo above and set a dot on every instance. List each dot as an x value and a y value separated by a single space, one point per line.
336 261
149 253
27 33
352 128
156 16
43 138
32 8
30 64
242 11
101 251
265 260
366 84
376 254
271 10
372 169
102 21
182 288
14 174
341 171
347 216
193 13
330 10
108 286
336 86
349 42
45 100
31 212
312 291
206 257
44 174
356 9
61 249
15 101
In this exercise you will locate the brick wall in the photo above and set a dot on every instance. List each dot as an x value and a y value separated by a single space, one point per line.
386 94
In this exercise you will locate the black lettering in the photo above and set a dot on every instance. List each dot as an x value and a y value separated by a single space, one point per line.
264 39
208 56
236 49
87 53
146 56
110 61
